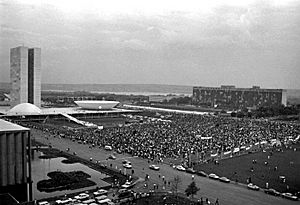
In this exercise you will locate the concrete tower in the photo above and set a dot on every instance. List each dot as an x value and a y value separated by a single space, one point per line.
25 75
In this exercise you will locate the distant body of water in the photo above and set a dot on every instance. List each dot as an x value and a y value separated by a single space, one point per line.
135 89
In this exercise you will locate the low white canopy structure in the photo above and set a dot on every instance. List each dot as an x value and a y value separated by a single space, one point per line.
97 104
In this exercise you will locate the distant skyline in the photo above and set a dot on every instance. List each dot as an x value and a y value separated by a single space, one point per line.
196 43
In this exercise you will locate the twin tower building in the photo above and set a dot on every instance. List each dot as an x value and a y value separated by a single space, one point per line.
25 75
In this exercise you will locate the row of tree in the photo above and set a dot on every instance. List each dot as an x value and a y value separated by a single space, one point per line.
191 190
271 111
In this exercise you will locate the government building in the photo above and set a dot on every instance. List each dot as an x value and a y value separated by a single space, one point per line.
228 96
15 161
25 75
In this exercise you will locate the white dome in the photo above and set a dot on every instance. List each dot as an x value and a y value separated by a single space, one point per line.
24 109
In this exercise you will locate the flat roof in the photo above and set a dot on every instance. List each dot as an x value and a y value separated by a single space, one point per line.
8 126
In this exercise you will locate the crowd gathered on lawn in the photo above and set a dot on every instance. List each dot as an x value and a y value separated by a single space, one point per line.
181 135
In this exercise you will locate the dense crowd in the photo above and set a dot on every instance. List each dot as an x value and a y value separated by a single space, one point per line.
182 135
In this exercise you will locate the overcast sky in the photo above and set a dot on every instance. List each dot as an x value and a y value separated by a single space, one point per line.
205 43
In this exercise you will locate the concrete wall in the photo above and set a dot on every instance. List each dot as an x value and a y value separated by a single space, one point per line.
13 160
37 76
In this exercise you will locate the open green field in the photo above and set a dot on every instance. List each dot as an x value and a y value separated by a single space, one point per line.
239 168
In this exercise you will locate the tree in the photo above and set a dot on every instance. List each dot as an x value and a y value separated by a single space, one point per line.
192 189
175 184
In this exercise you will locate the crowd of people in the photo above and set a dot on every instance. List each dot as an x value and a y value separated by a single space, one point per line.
181 135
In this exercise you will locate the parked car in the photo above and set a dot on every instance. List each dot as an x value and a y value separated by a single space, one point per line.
64 201
154 167
122 193
127 166
190 170
127 185
272 192
111 157
224 179
100 192
89 201
126 162
201 173
289 196
82 196
213 176
44 203
107 147
104 201
253 187
180 168
99 198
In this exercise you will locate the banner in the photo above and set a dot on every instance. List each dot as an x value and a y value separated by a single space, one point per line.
237 149
206 138
225 153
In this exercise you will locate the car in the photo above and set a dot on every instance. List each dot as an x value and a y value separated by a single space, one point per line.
126 162
224 179
122 193
154 167
111 157
180 168
64 201
99 198
272 192
89 201
190 170
82 196
44 203
127 185
213 176
107 147
289 196
201 173
127 166
100 192
253 187
104 201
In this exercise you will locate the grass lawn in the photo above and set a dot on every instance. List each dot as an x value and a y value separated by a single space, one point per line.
239 168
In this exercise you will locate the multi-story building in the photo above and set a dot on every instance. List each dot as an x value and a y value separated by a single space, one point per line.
25 75
232 97
15 161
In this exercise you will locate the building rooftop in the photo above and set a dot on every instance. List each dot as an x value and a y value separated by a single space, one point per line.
6 126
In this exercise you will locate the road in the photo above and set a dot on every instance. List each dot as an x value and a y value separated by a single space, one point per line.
226 193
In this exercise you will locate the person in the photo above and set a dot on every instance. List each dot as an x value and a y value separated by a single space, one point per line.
217 202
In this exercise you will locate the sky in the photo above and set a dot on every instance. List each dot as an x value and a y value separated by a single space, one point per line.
174 42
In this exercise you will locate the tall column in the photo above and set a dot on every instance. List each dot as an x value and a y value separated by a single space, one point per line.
3 159
18 148
11 159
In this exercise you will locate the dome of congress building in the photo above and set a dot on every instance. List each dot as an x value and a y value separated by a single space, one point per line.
96 104
24 109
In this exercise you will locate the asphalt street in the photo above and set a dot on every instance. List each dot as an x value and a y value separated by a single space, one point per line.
233 194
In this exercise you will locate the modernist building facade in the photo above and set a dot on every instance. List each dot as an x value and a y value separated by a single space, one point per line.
15 161
25 75
232 97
